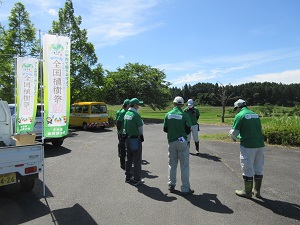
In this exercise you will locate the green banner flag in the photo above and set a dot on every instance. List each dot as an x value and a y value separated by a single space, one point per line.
27 89
56 79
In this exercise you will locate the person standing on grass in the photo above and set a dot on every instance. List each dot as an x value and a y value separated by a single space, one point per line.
194 114
121 132
177 125
247 127
133 125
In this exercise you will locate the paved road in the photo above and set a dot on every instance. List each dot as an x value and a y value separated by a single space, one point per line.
84 185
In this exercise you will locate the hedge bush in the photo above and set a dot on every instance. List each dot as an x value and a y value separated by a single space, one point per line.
283 131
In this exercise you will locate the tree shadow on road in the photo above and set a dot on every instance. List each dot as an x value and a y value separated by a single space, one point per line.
282 208
208 202
207 156
155 193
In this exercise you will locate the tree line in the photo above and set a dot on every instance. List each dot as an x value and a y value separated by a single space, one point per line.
254 93
90 82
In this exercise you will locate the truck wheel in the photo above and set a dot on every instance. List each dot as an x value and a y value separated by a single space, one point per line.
57 142
84 126
27 185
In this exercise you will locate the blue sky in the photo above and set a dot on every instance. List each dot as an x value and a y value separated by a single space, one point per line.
231 42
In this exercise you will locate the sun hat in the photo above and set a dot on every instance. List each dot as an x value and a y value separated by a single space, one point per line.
239 103
178 100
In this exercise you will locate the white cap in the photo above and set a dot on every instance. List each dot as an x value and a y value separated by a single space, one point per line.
239 103
190 102
178 100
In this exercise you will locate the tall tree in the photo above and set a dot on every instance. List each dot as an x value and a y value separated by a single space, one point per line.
18 40
141 81
223 97
83 56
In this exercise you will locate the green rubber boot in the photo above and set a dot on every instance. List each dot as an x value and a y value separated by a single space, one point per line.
257 186
247 192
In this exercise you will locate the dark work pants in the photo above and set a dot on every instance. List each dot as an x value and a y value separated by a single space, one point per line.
134 157
122 149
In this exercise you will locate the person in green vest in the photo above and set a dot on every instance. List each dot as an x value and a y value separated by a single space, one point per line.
194 114
177 125
247 128
133 125
121 132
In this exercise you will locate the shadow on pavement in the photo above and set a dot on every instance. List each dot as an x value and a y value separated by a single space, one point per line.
207 156
20 207
208 202
52 151
155 193
286 209
147 174
73 215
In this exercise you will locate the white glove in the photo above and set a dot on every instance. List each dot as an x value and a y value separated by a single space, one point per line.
233 134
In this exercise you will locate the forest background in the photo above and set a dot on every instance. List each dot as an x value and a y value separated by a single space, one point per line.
90 82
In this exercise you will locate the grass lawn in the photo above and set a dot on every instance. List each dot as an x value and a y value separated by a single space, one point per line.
208 115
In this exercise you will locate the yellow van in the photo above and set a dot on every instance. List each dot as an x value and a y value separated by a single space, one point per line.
89 115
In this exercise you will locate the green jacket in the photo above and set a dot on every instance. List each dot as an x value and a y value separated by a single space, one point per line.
120 121
193 113
132 122
248 125
176 123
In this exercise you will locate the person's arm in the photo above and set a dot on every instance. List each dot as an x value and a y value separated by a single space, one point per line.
235 130
119 124
187 129
197 114
166 129
233 134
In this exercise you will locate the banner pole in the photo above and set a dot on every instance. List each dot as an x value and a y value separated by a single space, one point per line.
15 93
42 112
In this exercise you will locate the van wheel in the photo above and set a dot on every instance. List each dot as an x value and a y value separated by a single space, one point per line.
57 142
27 185
84 126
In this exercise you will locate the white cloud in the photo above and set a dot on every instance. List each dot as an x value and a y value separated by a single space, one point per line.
199 76
285 77
108 22
53 12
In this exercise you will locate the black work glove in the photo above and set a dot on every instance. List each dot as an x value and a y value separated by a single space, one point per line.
142 138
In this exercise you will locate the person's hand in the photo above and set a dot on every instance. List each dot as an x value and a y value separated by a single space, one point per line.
142 138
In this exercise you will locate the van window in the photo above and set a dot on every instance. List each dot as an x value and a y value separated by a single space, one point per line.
78 109
85 109
72 109
99 109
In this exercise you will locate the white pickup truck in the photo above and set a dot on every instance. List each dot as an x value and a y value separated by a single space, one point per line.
18 163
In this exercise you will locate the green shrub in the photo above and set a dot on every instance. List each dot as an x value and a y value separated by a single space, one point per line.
283 131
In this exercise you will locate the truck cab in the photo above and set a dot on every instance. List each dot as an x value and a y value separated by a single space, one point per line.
21 158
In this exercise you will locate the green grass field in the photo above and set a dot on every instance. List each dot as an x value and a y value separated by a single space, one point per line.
208 115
